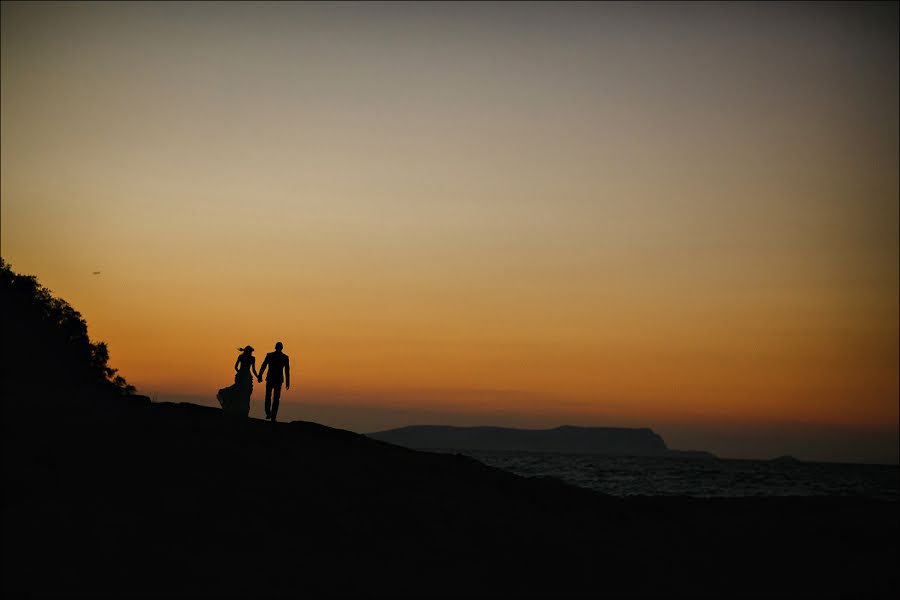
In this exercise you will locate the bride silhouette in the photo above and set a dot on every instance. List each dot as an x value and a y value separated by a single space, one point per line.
235 399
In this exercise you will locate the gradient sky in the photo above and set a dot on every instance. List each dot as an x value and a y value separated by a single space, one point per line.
682 216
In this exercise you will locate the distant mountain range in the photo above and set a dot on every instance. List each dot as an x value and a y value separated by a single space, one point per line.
578 440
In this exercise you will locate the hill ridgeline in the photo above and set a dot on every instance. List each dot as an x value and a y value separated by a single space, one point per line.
567 439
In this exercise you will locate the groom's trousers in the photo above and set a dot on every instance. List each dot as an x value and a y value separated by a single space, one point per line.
273 395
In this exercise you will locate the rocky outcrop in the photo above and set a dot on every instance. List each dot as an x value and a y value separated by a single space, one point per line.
163 499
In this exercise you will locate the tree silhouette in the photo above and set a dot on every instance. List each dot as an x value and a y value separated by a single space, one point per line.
46 349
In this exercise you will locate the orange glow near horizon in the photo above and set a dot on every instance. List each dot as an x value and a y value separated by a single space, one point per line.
591 213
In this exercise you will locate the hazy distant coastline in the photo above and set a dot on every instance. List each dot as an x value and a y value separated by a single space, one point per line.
616 441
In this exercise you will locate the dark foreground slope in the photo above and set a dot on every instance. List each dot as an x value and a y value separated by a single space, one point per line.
175 499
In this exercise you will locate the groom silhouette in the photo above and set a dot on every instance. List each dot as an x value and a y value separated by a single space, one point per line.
276 362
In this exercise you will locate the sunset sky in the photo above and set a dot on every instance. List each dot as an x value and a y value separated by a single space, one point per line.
678 216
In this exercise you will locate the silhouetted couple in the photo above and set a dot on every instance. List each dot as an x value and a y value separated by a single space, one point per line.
235 399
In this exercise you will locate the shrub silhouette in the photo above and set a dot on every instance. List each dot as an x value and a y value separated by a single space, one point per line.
47 354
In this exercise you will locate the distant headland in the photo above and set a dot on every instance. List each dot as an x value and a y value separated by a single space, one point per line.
567 438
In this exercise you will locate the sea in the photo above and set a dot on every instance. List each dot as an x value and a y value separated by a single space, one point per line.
699 477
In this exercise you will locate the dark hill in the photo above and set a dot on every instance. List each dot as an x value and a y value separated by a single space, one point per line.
589 440
130 497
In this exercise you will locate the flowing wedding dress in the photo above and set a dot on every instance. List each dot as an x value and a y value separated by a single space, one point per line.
235 399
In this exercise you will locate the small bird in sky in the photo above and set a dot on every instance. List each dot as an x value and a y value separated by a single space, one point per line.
96 272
